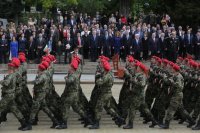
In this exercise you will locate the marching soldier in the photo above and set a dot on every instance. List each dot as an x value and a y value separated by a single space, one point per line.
9 95
136 97
105 84
40 93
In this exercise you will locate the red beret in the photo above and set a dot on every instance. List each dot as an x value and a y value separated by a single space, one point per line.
22 58
45 63
195 64
11 65
16 62
106 66
165 61
171 63
180 58
74 64
21 53
159 60
143 67
176 67
137 63
130 59
41 67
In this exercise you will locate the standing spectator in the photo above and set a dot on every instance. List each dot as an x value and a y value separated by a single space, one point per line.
117 43
72 21
189 42
22 44
40 44
182 47
4 49
127 43
31 49
59 51
86 41
78 42
65 21
154 48
172 44
13 48
106 41
145 46
197 46
162 45
94 40
137 47
68 45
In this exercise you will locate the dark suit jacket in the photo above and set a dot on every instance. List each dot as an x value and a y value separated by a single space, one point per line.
137 47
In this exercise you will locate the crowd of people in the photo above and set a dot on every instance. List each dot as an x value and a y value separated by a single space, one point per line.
99 35
161 93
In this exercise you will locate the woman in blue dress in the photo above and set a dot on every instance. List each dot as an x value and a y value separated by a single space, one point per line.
14 47
117 43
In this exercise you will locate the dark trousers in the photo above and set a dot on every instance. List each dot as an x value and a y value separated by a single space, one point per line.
3 57
66 59
93 54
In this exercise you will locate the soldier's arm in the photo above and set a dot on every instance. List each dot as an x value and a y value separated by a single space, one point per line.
6 81
70 79
140 81
102 80
39 80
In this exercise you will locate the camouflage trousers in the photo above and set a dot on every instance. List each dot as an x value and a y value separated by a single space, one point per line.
39 103
71 99
104 101
54 104
176 105
8 103
135 104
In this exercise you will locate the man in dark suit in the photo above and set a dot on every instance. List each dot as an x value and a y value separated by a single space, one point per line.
126 42
107 44
40 44
137 47
182 47
154 46
78 43
86 41
72 21
23 44
172 46
4 49
94 40
68 45
189 42
197 46
31 49
161 42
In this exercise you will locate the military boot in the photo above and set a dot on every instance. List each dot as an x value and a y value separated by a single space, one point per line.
191 122
119 121
129 125
28 126
95 125
165 126
62 126
197 127
24 125
87 121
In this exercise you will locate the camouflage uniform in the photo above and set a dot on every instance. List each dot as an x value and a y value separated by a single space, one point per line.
39 98
105 84
125 91
175 95
70 97
137 99
8 100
